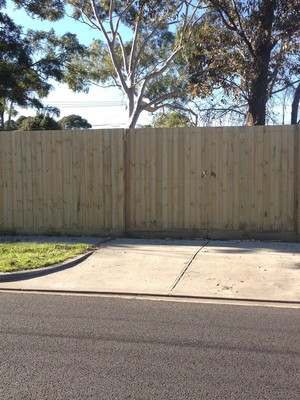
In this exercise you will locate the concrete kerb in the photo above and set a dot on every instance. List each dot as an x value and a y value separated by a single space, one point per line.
161 296
34 273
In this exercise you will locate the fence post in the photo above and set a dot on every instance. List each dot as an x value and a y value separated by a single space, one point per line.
126 138
296 179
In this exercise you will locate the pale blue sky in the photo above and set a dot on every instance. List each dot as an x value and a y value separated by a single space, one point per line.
84 33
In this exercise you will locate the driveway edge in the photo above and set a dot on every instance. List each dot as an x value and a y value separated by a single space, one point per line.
34 273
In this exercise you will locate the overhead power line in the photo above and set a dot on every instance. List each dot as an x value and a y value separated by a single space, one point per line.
86 104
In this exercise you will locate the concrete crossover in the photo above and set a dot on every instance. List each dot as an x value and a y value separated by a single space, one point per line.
268 271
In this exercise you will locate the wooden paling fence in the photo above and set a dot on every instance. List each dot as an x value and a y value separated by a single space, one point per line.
235 182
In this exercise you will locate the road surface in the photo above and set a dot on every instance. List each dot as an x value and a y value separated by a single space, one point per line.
77 347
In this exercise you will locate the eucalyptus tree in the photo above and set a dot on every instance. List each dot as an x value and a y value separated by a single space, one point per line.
138 51
247 49
137 48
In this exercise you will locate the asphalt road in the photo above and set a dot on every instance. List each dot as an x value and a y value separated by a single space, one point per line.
75 347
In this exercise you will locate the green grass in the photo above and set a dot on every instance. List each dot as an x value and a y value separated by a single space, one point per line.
24 255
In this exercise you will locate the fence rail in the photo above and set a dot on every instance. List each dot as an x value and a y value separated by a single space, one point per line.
235 182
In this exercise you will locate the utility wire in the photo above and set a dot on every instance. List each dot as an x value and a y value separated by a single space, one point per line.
86 104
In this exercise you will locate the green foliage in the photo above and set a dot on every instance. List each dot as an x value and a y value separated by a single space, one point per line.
239 52
10 125
20 120
39 122
99 67
247 48
137 50
74 122
28 60
18 80
172 120
96 66
45 121
207 49
52 10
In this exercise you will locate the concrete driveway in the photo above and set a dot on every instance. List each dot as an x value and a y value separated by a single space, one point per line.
268 271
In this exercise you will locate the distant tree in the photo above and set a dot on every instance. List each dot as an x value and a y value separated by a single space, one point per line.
141 126
19 121
172 120
39 122
74 122
11 125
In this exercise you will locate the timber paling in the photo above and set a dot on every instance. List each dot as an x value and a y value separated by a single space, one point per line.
233 182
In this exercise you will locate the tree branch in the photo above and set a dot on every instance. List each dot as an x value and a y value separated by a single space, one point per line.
132 68
290 84
125 60
149 106
233 27
141 49
155 74
110 47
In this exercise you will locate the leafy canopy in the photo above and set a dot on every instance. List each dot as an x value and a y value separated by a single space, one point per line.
74 122
173 119
28 59
137 49
247 48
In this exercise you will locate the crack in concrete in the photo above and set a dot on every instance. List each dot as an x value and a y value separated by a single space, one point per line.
186 267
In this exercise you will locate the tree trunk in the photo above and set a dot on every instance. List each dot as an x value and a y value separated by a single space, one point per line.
133 119
257 103
1 120
134 110
295 106
259 75
9 116
131 108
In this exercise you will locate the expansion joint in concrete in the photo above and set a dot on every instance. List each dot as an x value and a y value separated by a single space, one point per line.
186 267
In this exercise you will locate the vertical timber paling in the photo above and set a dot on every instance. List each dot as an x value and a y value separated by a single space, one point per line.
296 180
126 181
